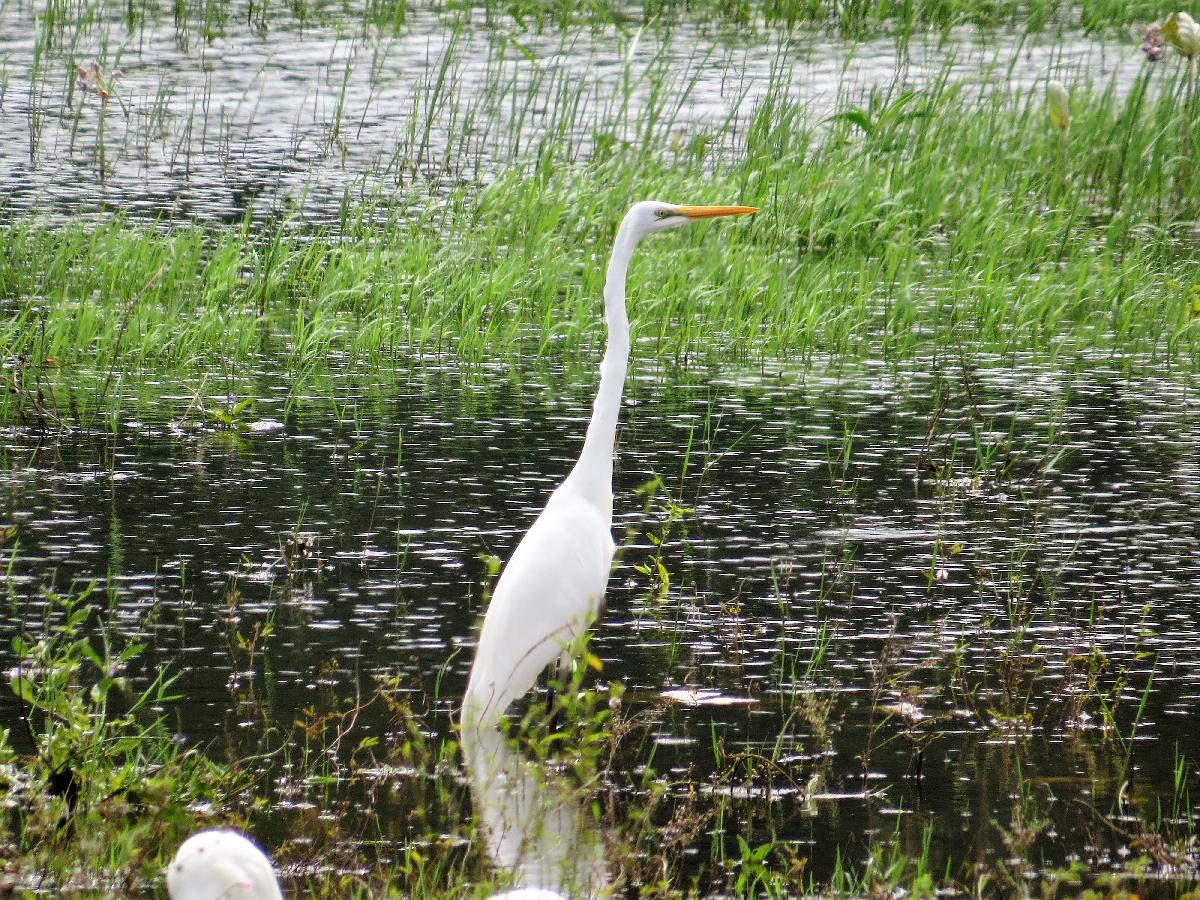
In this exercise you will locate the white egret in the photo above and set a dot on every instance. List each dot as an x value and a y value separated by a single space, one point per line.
553 586
220 864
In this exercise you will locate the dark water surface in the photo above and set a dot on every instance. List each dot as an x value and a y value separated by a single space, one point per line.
962 609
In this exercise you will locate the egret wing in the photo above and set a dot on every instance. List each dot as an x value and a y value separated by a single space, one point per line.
547 596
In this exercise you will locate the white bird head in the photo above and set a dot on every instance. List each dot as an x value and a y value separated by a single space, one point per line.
221 865
650 216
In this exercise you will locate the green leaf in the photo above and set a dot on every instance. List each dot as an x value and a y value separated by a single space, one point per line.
88 653
100 689
130 652
23 688
859 118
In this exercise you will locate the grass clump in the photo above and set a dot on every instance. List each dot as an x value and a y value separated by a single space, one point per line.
97 790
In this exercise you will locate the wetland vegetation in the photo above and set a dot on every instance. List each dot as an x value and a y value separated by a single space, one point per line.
301 307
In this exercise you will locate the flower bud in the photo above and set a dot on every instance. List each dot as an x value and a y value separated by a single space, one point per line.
1058 105
1183 33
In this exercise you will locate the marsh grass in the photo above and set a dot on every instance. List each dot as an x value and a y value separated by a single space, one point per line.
894 230
205 21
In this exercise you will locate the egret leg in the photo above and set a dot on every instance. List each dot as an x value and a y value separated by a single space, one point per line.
557 671
551 711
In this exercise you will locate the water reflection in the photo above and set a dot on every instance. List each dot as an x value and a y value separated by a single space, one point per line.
536 829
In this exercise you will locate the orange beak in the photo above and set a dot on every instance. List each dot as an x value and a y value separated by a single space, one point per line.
708 212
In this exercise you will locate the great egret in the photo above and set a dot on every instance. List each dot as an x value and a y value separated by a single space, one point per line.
534 827
220 864
553 586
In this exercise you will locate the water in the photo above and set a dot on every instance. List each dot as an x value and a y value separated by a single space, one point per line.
962 611
278 119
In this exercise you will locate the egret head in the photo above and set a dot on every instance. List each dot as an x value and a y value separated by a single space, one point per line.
650 216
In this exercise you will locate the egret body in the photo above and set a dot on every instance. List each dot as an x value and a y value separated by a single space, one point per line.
553 586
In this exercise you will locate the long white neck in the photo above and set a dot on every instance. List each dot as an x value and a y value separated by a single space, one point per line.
592 475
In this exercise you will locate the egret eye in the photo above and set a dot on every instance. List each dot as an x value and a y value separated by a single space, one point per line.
663 213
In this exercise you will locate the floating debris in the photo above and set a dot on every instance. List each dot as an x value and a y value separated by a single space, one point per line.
909 712
264 426
704 697
92 80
